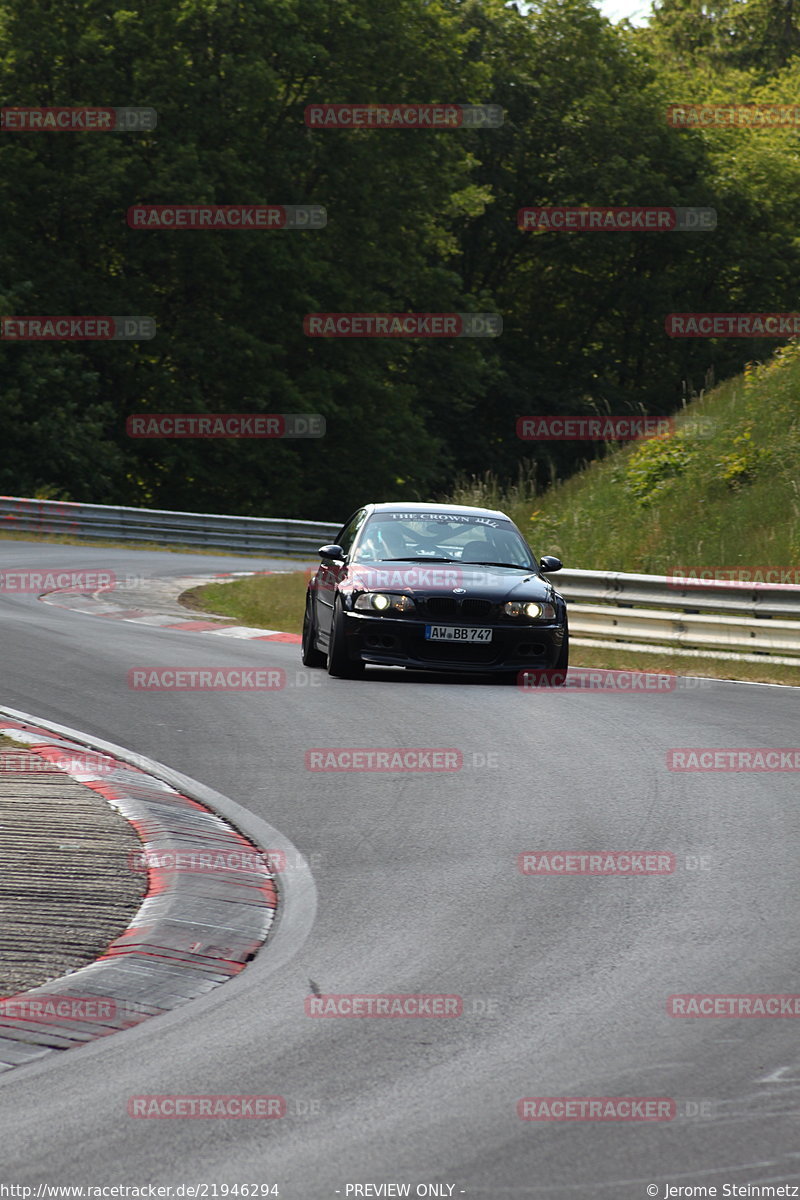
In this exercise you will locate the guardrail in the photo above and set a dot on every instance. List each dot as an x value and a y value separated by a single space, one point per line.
722 619
250 534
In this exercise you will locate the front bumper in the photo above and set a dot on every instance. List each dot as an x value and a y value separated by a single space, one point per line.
401 642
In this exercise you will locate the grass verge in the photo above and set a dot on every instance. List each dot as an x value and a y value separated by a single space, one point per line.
7 743
265 601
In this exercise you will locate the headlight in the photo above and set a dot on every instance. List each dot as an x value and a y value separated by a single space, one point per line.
381 602
529 609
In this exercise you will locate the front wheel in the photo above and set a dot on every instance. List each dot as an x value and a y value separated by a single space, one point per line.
338 661
312 657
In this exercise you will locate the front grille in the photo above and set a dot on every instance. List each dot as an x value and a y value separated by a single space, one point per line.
468 610
476 610
442 606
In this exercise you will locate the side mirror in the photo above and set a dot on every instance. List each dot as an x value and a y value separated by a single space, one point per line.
334 552
548 564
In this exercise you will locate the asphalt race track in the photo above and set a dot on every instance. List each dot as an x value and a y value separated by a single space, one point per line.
564 981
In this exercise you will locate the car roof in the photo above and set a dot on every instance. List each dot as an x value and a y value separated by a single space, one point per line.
457 509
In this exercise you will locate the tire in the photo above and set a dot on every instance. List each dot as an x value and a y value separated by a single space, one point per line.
338 662
312 657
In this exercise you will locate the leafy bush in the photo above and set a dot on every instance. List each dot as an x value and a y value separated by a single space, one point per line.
652 467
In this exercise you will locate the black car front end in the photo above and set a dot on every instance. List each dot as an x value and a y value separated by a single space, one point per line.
449 632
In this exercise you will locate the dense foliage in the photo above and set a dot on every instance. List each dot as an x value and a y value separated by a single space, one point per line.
418 220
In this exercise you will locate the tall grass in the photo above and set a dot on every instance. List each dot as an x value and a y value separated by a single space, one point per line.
722 489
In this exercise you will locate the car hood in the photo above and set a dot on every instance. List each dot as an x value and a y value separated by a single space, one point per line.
443 579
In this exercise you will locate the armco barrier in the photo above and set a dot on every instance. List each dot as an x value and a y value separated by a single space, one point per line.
251 534
732 620
621 590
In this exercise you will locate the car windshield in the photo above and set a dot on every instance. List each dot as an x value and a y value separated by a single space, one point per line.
444 537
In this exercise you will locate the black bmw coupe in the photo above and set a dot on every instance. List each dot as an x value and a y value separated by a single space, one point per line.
434 587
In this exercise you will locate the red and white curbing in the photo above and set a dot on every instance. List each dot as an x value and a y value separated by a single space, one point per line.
91 604
192 932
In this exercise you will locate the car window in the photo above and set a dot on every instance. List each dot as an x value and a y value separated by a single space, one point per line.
350 531
410 535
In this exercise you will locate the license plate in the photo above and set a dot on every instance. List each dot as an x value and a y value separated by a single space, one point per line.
456 633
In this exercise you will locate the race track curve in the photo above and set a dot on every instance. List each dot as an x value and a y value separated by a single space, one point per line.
564 981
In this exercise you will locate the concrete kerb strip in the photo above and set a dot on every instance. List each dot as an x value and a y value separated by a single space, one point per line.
192 932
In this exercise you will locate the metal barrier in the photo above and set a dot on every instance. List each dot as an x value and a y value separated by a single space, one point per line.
606 607
725 619
249 534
